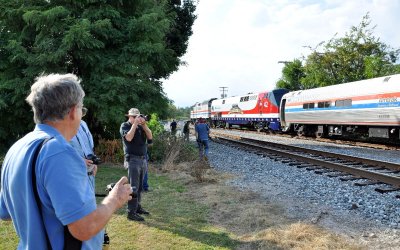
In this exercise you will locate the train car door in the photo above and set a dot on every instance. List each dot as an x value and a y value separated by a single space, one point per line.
282 112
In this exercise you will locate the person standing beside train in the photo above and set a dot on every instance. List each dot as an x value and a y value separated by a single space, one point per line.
202 131
173 126
186 131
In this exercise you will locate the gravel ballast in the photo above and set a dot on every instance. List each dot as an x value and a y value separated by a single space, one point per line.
330 202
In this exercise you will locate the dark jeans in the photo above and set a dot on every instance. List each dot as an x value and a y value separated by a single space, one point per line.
145 183
146 175
137 167
203 148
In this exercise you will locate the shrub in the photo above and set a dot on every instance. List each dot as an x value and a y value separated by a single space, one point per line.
155 126
110 150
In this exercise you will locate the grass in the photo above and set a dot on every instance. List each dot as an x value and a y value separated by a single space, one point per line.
176 221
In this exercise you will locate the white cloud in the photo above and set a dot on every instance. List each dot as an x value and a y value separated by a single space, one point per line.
238 44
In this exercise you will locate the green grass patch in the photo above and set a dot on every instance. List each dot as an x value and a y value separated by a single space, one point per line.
176 222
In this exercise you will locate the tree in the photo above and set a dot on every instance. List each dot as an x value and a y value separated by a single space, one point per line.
292 73
120 49
177 113
356 56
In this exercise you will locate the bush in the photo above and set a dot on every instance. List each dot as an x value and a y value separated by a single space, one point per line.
110 150
176 150
155 126
159 148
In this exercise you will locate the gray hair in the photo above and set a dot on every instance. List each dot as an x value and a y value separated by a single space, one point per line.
52 96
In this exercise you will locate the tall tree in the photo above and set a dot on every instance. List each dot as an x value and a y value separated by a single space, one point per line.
356 56
120 49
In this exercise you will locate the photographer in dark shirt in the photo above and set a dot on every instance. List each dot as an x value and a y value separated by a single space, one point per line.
135 135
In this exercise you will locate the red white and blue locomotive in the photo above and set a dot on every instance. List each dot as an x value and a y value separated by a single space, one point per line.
367 108
258 110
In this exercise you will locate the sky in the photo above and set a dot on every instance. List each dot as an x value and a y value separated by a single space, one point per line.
238 43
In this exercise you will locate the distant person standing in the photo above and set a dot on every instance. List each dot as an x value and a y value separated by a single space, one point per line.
202 131
186 131
173 127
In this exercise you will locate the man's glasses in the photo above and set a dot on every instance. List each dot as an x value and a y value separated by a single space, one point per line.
84 111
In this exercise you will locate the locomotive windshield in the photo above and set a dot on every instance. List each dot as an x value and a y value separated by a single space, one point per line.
275 96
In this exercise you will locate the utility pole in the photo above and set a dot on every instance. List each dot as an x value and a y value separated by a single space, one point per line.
224 89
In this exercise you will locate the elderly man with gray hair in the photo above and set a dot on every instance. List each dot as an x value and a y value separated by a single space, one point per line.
45 189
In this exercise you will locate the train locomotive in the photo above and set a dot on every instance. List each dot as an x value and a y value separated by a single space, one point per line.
254 110
201 110
362 109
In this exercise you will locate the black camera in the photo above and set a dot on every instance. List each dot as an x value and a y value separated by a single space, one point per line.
95 159
111 186
146 117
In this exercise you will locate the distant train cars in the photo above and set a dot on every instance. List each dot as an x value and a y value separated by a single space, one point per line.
201 110
361 109
368 108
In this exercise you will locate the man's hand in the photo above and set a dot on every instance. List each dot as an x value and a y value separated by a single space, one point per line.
88 162
139 120
88 226
91 167
121 192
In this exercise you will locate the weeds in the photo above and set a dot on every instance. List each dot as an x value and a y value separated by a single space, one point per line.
177 151
199 169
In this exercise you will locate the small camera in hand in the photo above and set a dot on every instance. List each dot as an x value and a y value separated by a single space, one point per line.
95 159
111 186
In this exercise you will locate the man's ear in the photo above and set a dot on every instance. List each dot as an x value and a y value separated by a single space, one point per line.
72 114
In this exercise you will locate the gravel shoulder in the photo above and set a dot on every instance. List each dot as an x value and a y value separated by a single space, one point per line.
359 214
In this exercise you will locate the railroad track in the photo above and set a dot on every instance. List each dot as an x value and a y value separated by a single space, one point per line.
362 171
375 145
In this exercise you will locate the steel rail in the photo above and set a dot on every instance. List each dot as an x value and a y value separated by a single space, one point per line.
358 172
367 161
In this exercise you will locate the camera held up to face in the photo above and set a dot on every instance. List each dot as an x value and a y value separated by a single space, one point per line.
146 117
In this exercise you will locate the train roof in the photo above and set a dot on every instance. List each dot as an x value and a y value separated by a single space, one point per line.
364 87
204 102
252 94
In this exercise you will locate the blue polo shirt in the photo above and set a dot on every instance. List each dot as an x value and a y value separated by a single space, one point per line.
62 184
83 140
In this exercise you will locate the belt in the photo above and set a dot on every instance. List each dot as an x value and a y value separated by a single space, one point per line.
137 156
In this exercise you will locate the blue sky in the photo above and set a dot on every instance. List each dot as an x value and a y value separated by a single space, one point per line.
238 43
